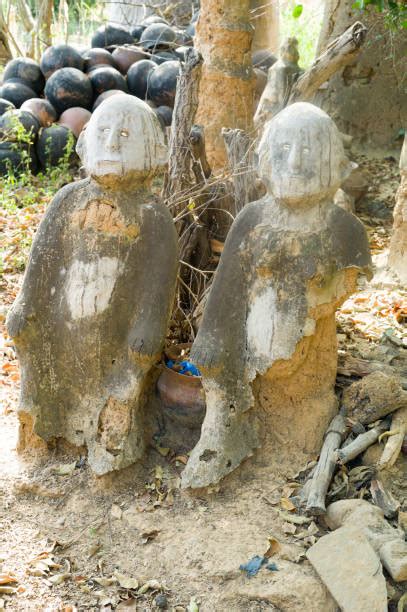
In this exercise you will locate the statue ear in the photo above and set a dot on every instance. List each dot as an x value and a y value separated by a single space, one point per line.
81 145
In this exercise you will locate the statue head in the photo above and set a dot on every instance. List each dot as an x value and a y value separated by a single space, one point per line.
289 51
122 141
301 156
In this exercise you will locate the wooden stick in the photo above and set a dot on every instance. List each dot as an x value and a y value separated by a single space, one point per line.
326 465
395 439
239 148
384 499
179 175
361 443
341 52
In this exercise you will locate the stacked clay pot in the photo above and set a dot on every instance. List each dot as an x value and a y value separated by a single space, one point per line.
64 88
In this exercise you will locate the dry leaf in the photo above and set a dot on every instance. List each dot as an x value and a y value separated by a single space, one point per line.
163 451
294 518
6 590
286 504
57 579
150 585
116 512
66 469
2 604
126 582
274 547
181 459
128 604
147 536
7 579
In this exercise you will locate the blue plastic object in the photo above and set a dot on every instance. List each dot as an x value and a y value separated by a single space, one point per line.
186 366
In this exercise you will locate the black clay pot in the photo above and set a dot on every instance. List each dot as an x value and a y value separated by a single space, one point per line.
17 159
163 84
5 105
108 35
98 57
138 77
105 78
42 110
69 87
60 56
13 121
17 92
52 145
26 70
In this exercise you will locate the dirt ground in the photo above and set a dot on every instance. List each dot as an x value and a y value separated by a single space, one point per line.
135 541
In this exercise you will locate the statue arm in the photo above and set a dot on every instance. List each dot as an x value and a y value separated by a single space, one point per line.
45 251
157 282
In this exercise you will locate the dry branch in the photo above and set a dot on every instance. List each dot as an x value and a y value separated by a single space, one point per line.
341 52
361 443
395 439
326 465
239 147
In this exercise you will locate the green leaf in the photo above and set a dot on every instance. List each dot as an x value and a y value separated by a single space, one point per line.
297 11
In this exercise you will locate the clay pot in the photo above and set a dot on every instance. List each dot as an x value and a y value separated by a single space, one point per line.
105 78
69 87
104 96
16 91
60 56
26 70
164 114
138 77
263 59
108 35
126 56
8 122
163 83
15 158
160 57
182 397
158 36
42 110
75 119
51 145
137 32
153 19
5 105
98 57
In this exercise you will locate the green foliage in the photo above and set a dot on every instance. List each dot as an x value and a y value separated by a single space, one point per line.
305 26
395 11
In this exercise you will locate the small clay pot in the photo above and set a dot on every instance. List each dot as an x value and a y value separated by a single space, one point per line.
105 78
9 122
182 397
108 35
60 56
75 119
28 71
16 91
17 158
163 84
69 87
98 57
51 145
138 77
42 110
5 105
126 56
104 96
164 114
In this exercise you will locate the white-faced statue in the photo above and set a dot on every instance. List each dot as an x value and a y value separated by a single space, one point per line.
301 156
122 139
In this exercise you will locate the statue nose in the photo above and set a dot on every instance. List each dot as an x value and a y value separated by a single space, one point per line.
112 140
294 159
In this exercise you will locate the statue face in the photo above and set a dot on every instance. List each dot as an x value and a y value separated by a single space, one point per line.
301 155
122 138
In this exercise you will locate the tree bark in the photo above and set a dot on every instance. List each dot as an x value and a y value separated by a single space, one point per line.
223 36
5 51
44 22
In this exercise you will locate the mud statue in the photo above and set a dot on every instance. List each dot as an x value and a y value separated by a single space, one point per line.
267 343
91 317
398 242
280 79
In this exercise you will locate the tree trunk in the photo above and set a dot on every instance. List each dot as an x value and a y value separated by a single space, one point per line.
224 36
264 16
44 22
28 23
5 51
367 99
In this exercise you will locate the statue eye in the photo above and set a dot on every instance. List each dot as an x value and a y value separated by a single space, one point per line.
106 130
286 147
124 133
306 150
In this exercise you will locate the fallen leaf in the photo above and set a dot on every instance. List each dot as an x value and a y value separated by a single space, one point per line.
286 504
57 579
147 536
163 451
193 605
66 469
274 547
294 518
116 512
126 582
150 585
181 459
128 604
7 579
2 604
6 590
104 582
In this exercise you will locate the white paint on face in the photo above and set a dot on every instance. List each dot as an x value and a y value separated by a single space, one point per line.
90 285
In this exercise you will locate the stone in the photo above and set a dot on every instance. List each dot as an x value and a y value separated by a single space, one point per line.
369 520
90 320
398 242
373 397
267 344
280 79
351 570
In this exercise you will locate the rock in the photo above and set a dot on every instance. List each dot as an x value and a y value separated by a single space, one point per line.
351 570
373 397
161 601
